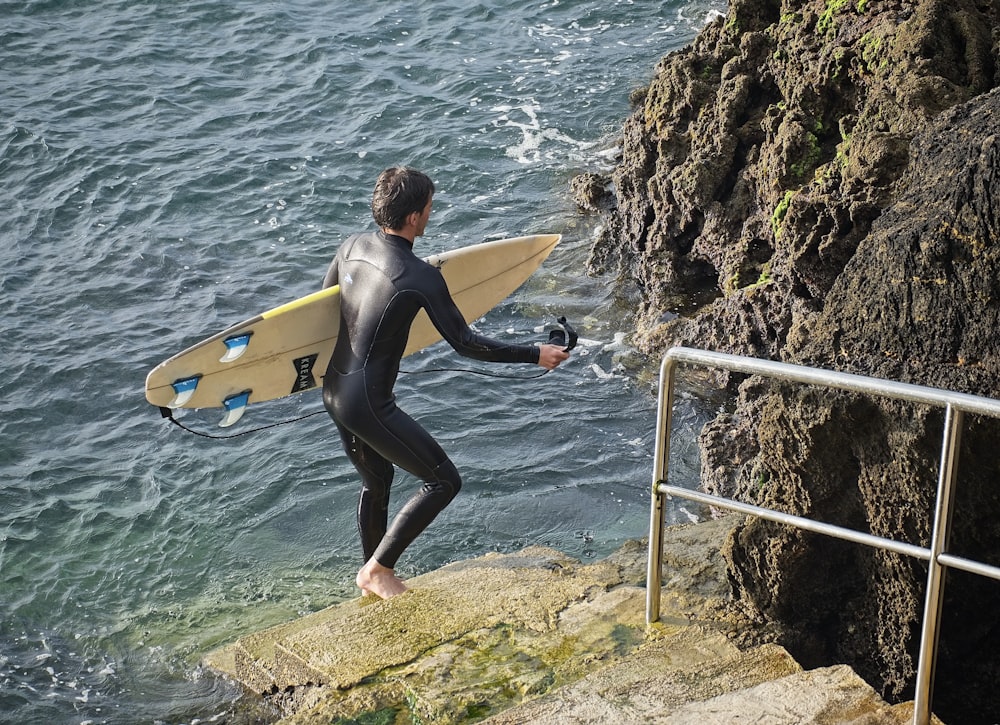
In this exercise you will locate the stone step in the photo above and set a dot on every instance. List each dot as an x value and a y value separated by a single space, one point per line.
761 685
348 643
824 696
489 670
536 636
653 683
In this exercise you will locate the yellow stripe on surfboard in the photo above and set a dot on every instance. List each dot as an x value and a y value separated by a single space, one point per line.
301 302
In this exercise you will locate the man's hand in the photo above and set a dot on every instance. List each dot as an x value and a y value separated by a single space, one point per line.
549 356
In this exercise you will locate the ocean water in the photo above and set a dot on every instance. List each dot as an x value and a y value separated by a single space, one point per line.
168 169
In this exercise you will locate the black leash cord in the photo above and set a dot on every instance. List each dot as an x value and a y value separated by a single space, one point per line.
169 414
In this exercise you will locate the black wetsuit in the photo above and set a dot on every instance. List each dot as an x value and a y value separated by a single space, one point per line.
383 285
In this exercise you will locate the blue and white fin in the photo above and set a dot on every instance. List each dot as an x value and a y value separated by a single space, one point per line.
235 346
236 406
183 390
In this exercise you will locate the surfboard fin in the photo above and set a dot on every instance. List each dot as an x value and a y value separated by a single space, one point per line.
235 346
236 406
183 390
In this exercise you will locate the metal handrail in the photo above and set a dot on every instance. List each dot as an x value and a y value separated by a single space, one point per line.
955 405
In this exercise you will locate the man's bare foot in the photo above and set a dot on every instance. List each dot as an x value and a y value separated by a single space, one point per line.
373 578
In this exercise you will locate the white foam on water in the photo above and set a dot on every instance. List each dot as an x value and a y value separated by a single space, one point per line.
538 142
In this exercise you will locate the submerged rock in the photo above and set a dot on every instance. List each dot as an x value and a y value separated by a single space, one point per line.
592 192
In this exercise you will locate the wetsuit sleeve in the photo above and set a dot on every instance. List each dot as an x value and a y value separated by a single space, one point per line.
448 320
331 274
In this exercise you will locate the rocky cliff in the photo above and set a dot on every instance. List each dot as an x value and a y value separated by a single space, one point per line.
817 182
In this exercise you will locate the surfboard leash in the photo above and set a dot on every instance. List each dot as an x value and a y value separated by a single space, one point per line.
169 415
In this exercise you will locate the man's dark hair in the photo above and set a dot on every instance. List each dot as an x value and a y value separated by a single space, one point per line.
399 192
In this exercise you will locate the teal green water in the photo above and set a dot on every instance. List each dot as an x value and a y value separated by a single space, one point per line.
169 169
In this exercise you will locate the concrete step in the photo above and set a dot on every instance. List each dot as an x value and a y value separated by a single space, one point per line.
653 683
539 637
351 642
762 685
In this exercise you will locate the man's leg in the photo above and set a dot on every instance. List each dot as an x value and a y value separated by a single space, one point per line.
373 515
376 482
440 487
398 438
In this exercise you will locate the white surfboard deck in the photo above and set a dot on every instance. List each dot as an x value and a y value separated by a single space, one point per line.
286 349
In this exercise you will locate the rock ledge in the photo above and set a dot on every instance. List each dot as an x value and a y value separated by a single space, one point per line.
537 637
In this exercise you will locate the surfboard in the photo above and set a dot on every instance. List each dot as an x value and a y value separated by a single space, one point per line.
285 350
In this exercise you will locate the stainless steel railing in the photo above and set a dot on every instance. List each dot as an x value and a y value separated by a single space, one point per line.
955 405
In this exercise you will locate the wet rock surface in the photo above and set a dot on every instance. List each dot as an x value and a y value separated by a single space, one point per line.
826 172
538 637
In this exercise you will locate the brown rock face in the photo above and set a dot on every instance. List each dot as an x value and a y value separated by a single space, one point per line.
760 155
830 172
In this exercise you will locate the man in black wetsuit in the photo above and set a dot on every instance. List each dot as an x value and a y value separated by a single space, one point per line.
383 285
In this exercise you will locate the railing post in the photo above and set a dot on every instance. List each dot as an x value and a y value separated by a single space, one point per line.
935 575
657 505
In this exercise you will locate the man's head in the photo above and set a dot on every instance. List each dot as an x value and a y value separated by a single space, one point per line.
399 192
